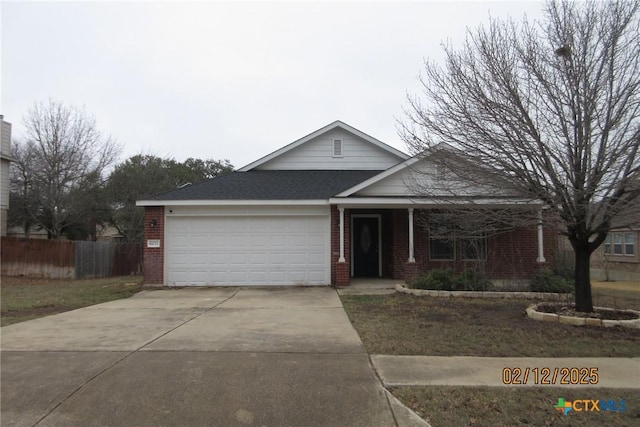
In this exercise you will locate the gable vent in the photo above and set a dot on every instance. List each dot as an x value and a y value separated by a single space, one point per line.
337 148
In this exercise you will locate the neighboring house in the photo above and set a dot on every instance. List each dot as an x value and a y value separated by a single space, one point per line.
326 208
34 233
617 258
5 162
108 233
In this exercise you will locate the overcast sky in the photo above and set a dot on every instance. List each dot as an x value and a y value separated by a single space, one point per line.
228 80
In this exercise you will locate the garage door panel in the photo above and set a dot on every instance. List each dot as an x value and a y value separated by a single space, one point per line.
277 258
297 240
298 259
277 241
258 259
270 250
218 258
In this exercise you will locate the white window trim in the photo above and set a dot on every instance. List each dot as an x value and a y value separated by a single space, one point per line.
611 242
456 241
333 147
437 237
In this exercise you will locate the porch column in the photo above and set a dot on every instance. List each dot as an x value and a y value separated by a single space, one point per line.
341 259
541 257
411 257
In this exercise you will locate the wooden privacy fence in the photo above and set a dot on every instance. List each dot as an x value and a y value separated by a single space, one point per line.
60 259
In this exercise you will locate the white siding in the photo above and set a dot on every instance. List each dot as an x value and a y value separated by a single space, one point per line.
318 154
405 182
4 184
422 180
246 210
6 138
5 151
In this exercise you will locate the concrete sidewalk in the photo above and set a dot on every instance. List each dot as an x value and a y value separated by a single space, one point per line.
488 371
191 357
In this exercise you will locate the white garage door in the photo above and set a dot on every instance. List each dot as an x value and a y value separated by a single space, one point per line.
269 250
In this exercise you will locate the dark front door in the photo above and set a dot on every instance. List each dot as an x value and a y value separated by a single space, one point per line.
366 259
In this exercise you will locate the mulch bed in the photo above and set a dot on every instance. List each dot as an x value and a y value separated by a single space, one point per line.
565 310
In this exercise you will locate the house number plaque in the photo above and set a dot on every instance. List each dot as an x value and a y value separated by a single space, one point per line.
153 243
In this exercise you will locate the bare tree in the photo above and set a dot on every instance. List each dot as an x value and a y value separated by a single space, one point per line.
547 110
62 148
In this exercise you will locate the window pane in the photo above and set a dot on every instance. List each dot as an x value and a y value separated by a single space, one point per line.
629 243
441 249
475 248
441 238
617 244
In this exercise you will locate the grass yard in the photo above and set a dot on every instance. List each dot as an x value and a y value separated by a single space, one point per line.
616 294
408 325
25 299
513 406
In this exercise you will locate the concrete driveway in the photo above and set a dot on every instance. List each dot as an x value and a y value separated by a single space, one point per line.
219 357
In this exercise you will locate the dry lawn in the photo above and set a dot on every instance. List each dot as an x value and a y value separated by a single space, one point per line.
409 325
25 299
513 406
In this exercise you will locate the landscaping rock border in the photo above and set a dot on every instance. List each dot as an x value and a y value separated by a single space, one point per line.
486 294
532 313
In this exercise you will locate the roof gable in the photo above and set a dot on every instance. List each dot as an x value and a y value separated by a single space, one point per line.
420 175
315 151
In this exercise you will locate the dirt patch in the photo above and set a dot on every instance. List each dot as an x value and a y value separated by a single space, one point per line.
31 312
10 281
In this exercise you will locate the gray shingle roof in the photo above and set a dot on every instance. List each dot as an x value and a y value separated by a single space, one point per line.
271 185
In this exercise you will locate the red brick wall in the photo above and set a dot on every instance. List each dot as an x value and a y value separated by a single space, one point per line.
510 255
400 237
154 257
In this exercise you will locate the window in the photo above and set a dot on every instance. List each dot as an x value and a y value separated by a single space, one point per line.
445 236
441 240
473 242
620 244
607 245
337 148
617 244
473 248
629 244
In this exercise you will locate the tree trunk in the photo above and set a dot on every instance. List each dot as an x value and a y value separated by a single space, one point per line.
584 301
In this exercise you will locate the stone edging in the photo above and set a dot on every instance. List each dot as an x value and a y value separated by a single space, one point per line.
479 294
583 321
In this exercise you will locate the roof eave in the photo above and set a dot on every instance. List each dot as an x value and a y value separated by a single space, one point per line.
197 202
423 202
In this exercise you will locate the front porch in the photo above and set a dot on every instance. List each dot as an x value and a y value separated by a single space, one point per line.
394 243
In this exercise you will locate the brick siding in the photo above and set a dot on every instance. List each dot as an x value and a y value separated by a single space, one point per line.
511 255
154 257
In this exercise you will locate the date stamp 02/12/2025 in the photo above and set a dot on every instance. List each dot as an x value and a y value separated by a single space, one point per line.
550 376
